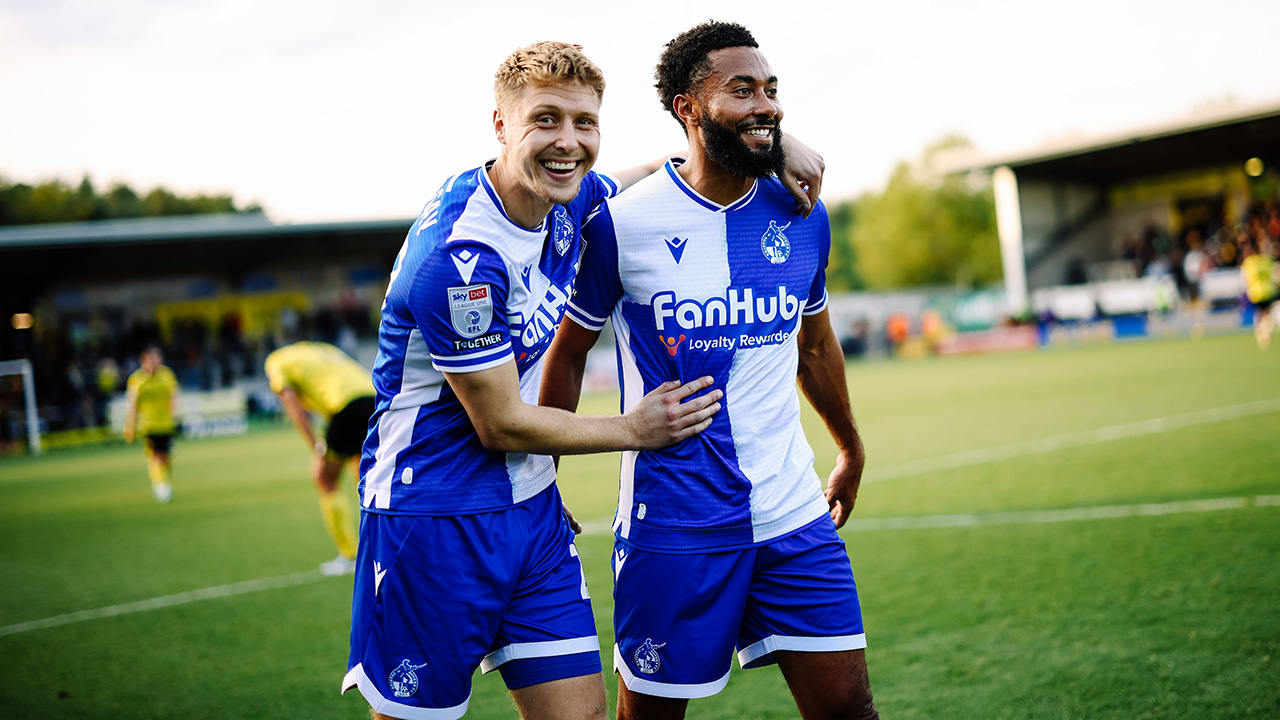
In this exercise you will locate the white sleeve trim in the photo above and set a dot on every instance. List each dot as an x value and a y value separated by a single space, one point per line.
356 677
584 318
505 358
550 648
749 655
815 309
659 689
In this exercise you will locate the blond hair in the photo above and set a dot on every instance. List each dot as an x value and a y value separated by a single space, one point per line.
545 63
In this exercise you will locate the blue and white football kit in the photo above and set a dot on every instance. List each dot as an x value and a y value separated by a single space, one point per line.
465 557
731 523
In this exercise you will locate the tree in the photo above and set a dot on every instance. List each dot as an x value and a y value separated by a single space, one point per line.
56 201
842 266
926 228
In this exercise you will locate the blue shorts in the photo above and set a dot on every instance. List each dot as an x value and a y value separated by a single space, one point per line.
438 596
678 617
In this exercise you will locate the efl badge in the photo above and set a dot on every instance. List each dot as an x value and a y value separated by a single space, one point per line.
646 657
403 680
562 232
775 245
471 309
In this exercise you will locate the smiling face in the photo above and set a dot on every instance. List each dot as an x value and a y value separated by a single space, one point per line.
550 136
740 114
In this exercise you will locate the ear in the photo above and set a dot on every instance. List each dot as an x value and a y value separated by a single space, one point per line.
499 126
688 109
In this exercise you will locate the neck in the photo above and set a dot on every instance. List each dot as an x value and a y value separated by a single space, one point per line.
709 179
525 208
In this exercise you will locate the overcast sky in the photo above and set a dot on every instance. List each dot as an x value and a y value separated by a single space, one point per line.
325 110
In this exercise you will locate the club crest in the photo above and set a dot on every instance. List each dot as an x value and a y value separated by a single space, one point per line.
562 230
647 659
471 309
774 244
403 680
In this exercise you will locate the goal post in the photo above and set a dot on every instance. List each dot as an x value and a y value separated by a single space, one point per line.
23 368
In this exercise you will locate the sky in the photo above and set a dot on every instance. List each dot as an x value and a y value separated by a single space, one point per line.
325 111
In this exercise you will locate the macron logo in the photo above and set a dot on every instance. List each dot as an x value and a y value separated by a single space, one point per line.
619 557
676 246
465 261
378 572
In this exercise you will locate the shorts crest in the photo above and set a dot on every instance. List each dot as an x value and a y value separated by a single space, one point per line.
403 680
647 659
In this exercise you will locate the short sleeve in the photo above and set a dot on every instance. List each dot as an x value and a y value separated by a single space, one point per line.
595 189
817 301
458 301
275 373
598 286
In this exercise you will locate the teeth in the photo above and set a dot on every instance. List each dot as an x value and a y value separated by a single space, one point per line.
760 132
559 165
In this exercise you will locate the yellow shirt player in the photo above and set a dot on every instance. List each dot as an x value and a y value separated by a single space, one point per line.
151 409
313 377
1260 282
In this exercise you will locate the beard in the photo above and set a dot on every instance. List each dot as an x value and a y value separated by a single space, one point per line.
725 148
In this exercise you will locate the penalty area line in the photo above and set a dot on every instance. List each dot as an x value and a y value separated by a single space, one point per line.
164 601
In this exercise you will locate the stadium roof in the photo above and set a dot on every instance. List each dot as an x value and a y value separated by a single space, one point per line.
175 229
34 259
1224 137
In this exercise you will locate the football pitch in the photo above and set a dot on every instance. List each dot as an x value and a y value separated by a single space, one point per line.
1087 532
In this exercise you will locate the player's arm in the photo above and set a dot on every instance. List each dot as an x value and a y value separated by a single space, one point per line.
822 379
565 365
803 174
562 369
505 423
174 403
301 419
632 175
130 412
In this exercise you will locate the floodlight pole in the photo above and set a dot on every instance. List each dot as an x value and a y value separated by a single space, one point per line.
1009 228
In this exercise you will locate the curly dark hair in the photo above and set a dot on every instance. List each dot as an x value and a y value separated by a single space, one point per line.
684 64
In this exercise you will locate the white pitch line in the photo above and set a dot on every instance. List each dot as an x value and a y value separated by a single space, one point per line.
1111 433
601 527
1056 516
917 522
182 598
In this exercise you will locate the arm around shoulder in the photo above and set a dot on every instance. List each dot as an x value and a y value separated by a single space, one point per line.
505 423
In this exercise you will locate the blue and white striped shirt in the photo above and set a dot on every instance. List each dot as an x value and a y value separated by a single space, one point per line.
694 288
470 290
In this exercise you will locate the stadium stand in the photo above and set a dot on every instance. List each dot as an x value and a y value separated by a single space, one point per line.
216 292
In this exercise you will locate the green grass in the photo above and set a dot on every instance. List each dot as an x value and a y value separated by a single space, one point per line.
1174 616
